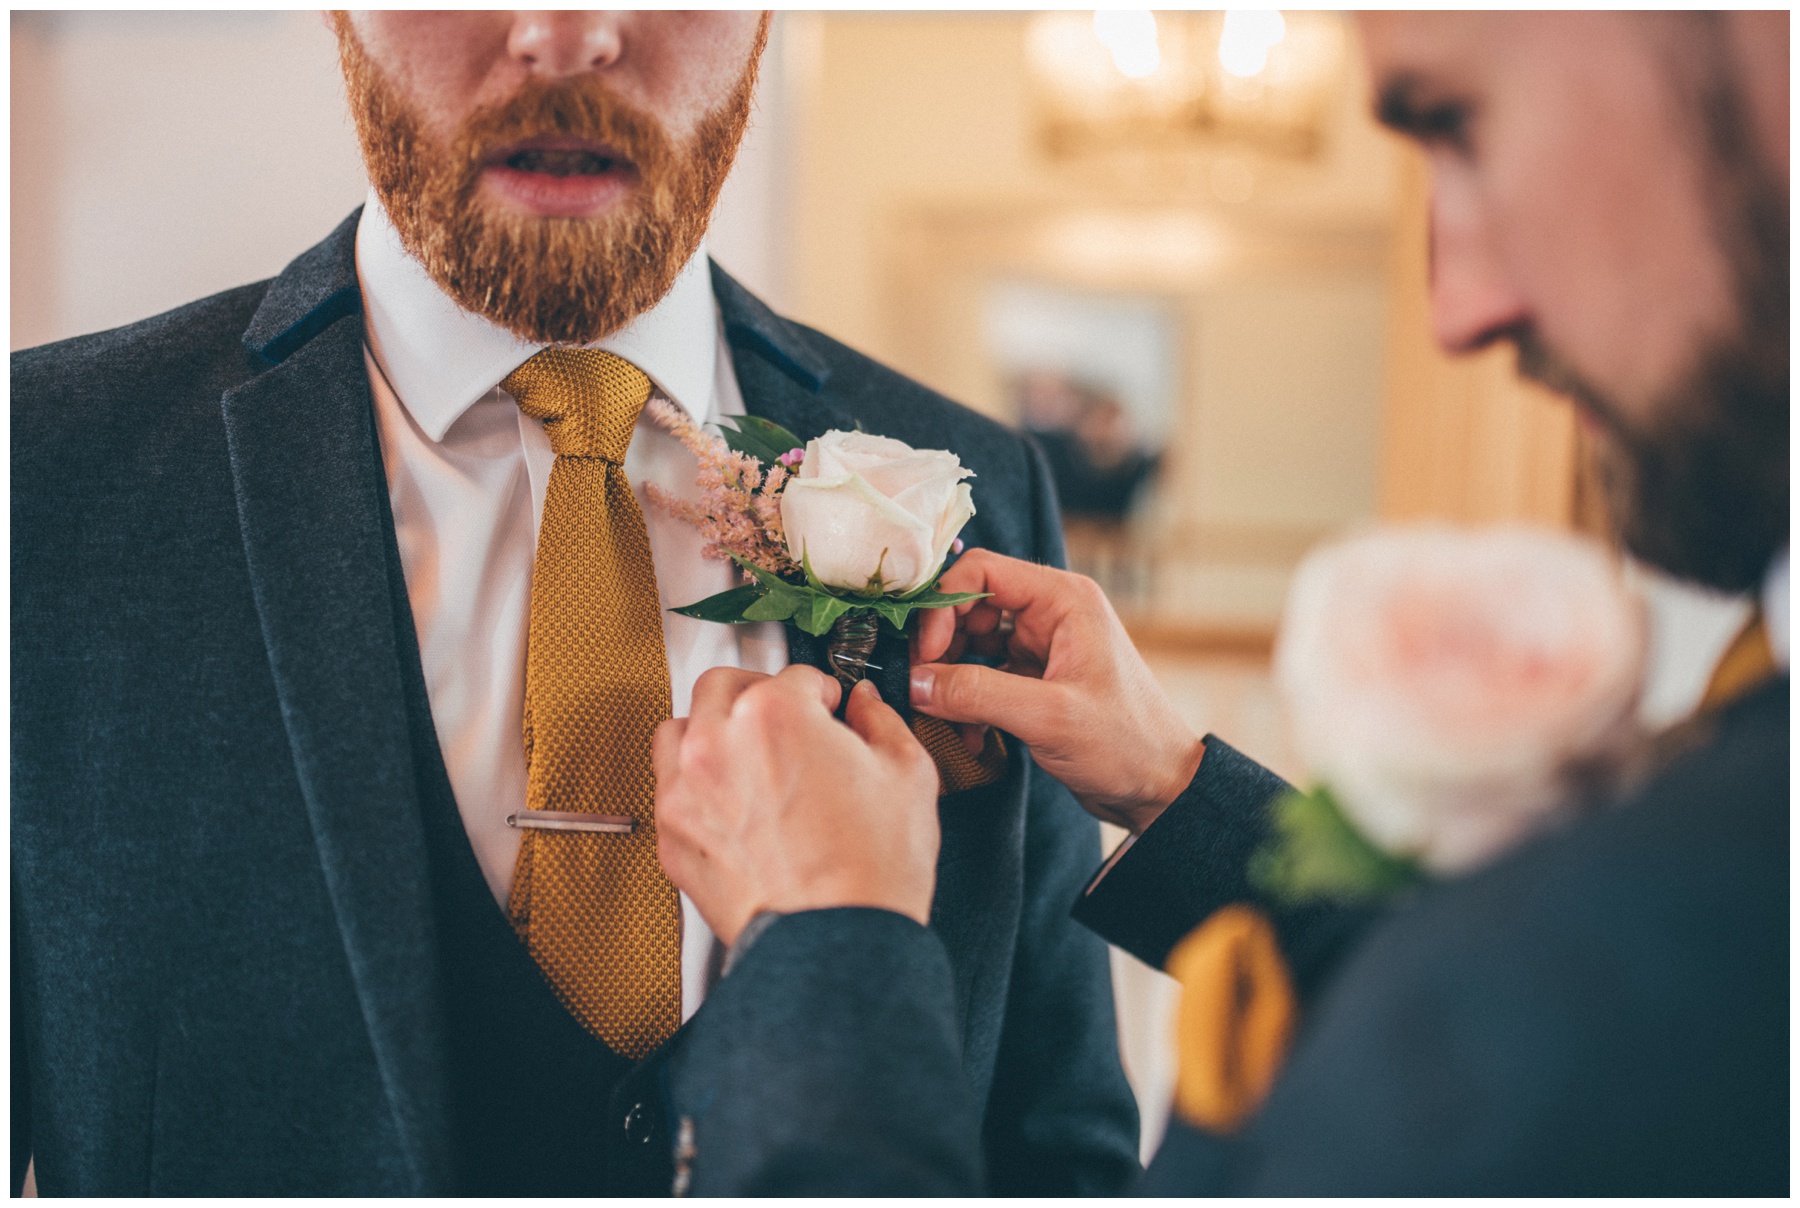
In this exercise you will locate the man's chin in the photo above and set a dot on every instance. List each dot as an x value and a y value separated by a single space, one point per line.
505 190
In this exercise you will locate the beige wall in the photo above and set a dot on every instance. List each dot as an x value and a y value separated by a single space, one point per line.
1464 439
170 156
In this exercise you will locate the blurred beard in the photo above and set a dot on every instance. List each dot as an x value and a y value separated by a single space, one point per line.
549 280
1701 489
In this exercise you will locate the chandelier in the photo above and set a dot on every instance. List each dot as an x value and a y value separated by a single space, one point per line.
1124 79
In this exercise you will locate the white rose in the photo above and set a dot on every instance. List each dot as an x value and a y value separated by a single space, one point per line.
861 503
1452 687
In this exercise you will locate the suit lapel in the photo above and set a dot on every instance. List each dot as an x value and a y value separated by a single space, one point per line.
781 376
975 911
309 495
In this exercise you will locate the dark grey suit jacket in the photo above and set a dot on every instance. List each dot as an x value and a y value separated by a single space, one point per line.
222 936
1603 1011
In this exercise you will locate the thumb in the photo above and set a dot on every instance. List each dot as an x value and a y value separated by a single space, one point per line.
877 724
969 692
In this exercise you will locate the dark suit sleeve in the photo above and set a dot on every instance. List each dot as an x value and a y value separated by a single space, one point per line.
828 1063
1189 862
1195 858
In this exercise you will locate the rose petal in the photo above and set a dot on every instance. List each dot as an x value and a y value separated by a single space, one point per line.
1443 682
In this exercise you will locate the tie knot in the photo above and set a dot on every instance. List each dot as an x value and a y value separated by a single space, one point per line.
588 400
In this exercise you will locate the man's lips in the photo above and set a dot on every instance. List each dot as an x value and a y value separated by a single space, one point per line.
558 176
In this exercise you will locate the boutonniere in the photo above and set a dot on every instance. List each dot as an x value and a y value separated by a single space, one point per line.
835 536
1452 692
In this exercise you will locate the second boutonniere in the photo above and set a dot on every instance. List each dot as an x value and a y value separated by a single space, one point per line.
836 535
1453 692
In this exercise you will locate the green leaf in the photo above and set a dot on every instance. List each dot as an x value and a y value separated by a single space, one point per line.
937 599
929 587
822 613
759 438
728 607
777 436
1315 854
768 579
775 606
894 611
815 606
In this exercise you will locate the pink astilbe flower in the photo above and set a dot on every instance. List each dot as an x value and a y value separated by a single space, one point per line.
739 509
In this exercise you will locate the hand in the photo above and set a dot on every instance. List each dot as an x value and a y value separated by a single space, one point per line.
764 801
1073 687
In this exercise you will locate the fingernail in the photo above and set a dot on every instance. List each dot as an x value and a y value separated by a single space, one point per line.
923 679
867 688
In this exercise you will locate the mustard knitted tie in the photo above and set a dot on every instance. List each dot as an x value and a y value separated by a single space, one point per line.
594 909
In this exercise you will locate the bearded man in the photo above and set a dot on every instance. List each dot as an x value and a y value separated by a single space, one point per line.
295 909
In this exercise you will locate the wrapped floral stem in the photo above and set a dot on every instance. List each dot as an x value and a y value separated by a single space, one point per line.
851 644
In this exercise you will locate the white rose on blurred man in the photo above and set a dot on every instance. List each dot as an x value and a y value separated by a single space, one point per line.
1452 691
863 506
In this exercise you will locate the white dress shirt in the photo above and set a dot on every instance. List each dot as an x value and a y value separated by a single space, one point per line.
467 472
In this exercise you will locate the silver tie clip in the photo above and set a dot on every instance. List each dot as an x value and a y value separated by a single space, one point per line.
611 824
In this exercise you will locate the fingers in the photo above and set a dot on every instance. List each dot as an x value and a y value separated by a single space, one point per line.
1029 608
1035 598
878 725
778 709
806 681
1013 585
937 626
717 690
969 692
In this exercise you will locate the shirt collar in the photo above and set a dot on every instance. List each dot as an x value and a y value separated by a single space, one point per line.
441 359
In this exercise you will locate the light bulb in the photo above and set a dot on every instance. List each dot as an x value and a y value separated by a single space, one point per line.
1247 38
1130 35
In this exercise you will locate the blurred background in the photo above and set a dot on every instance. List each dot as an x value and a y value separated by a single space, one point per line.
1173 246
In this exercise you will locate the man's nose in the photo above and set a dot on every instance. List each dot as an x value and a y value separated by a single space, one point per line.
1473 301
563 43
